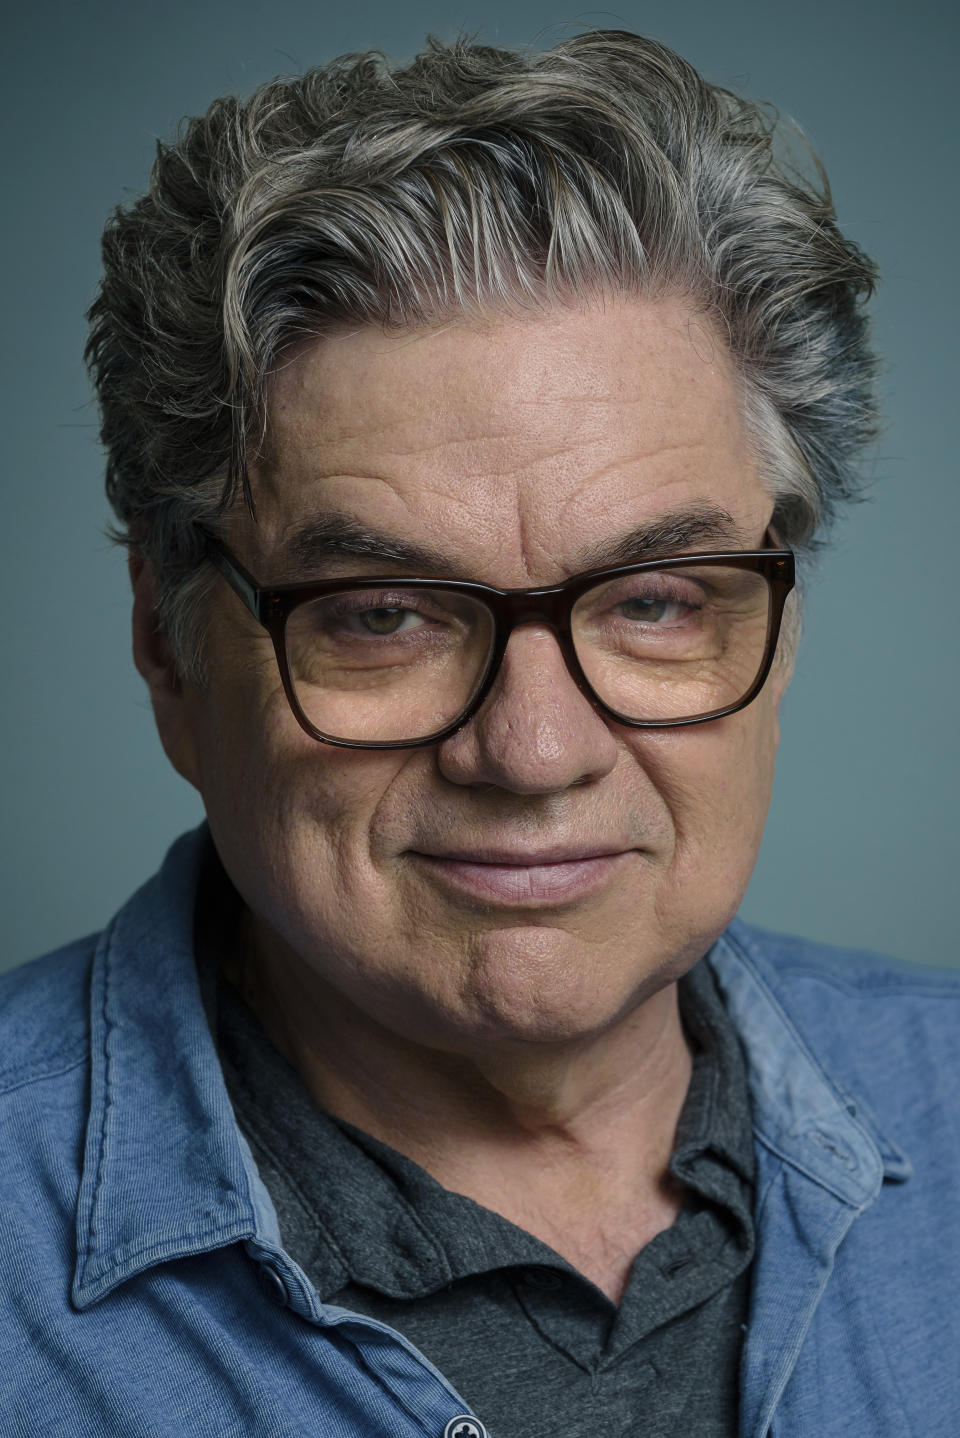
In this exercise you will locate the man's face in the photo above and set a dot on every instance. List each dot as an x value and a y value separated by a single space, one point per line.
517 449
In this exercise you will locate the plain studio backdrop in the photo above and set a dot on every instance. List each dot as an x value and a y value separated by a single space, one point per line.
860 847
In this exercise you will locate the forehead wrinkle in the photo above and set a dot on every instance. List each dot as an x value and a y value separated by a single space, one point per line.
384 435
458 426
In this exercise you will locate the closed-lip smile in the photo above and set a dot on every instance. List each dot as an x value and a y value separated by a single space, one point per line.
557 873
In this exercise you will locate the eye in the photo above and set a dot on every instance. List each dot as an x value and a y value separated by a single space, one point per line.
368 615
383 620
649 609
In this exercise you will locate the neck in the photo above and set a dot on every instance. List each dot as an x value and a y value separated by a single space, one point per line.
571 1140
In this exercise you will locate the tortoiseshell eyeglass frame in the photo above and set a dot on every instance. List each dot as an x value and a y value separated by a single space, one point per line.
551 606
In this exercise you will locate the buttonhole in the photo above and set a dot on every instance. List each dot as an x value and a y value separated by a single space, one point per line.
833 1148
543 1278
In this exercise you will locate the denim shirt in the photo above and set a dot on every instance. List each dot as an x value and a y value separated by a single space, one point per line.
144 1288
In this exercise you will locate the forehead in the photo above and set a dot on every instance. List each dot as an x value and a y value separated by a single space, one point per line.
509 442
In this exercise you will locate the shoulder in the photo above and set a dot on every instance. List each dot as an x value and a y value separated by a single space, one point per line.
44 1098
790 963
45 1005
882 1030
852 997
44 1014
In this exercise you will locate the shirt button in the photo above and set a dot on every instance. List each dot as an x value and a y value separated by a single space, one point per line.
274 1283
463 1426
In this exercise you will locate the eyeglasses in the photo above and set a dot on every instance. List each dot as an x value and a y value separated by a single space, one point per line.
396 663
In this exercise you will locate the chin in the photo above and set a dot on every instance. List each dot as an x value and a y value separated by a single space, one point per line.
542 985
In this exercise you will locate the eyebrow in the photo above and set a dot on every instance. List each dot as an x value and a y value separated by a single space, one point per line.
329 537
673 533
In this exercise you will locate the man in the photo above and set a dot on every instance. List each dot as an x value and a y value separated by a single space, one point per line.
461 422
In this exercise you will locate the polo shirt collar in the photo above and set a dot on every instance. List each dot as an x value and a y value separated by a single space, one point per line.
718 1122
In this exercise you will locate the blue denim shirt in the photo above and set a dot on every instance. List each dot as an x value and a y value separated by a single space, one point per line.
144 1288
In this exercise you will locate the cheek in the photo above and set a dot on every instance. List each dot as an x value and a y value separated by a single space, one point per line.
294 821
715 779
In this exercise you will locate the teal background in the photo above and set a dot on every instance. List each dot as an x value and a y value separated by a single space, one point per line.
860 846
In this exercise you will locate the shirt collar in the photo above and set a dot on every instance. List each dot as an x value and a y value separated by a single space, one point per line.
716 1117
800 1110
165 1174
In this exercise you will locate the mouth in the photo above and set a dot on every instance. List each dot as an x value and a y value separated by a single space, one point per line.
547 876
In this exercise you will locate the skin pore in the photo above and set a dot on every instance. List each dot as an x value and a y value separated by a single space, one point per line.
525 1048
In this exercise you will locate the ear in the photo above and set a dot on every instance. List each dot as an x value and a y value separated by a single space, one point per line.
173 700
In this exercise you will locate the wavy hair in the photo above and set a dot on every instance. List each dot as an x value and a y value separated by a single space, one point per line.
471 180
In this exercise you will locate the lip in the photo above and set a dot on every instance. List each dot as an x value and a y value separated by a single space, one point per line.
545 876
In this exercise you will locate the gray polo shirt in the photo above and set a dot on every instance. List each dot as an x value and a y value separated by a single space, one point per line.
534 1347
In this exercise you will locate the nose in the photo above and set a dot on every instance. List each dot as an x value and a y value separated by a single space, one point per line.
536 732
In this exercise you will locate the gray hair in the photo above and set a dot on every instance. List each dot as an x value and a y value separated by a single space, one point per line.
472 180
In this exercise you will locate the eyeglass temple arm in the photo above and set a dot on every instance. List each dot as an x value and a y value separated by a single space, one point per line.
243 584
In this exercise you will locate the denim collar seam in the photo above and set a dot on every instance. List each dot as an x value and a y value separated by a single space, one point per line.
101 1267
122 1265
844 1193
100 1061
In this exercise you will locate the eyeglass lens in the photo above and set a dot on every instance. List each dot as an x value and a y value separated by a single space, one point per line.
387 665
